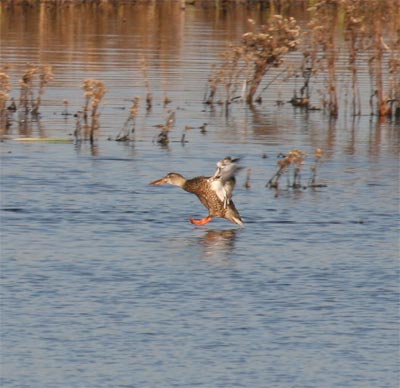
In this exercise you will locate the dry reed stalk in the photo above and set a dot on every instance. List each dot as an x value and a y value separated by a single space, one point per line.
323 31
354 32
230 73
5 87
26 91
382 41
376 63
45 74
65 112
149 97
318 154
78 127
212 85
295 159
394 71
129 127
247 183
163 136
258 52
94 91
394 62
306 71
267 48
27 100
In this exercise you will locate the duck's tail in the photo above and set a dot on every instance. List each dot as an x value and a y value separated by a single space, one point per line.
233 215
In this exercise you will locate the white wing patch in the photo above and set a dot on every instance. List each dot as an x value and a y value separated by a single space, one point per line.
219 189
223 181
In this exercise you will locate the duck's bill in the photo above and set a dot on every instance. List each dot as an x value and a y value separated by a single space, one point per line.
158 182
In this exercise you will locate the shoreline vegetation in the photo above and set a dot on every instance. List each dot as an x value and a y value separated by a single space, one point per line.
370 28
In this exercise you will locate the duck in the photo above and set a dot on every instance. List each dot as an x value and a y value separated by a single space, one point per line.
214 192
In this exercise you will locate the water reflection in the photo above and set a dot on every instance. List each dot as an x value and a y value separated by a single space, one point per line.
92 205
29 127
109 42
81 148
217 245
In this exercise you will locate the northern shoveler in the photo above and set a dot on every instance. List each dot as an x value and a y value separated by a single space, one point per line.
214 192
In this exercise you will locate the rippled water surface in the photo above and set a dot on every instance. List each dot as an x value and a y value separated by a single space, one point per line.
105 283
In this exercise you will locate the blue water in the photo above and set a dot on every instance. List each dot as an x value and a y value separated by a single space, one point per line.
105 283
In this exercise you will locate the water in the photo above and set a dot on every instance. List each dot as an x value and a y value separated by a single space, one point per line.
105 283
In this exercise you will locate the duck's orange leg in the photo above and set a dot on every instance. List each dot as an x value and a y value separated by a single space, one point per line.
202 221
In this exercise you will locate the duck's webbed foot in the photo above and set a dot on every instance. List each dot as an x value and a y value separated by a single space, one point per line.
202 221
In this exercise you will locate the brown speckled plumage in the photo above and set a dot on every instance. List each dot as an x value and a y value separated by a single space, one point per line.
203 188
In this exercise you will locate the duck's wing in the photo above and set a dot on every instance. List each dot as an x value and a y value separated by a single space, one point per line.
223 181
226 169
223 193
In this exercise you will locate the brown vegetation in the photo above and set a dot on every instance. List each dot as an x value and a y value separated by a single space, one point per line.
258 52
294 161
32 88
94 91
371 32
128 129
5 87
27 100
370 28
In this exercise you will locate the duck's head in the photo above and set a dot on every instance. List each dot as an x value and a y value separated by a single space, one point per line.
172 178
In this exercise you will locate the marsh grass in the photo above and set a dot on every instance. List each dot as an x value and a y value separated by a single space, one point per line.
32 87
370 28
128 129
5 87
323 28
312 182
246 64
94 91
292 165
145 71
163 136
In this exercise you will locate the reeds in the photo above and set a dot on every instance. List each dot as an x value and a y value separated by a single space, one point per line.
318 154
323 29
42 74
371 32
32 88
382 45
267 48
5 87
145 71
373 27
292 164
94 91
128 129
354 30
258 52
370 28
163 136
45 75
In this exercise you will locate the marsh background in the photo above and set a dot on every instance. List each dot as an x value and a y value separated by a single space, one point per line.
105 283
